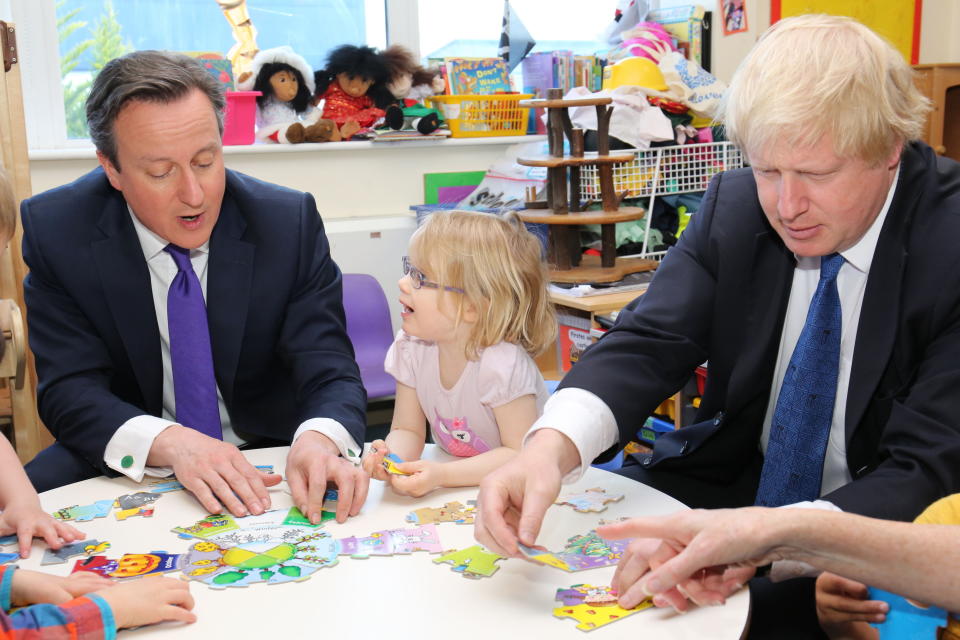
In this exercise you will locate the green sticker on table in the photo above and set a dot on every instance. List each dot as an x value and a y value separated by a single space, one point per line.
126 462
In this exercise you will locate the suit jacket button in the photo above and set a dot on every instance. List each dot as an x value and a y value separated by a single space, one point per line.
717 419
646 461
684 447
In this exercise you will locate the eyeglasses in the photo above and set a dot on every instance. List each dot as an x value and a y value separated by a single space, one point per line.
420 280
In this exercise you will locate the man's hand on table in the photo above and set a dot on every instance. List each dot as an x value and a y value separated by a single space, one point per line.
216 472
514 499
313 462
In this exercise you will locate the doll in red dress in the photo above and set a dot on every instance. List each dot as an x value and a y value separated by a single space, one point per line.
343 85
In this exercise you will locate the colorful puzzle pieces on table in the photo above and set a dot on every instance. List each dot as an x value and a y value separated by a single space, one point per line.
130 565
593 607
581 552
450 512
265 468
391 541
390 462
8 557
208 527
8 540
136 504
78 513
85 547
271 548
595 499
472 562
295 516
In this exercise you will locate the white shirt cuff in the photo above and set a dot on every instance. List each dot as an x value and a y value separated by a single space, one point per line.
585 419
129 447
786 569
336 432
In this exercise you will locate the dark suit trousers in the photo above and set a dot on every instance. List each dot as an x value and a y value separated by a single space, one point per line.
779 611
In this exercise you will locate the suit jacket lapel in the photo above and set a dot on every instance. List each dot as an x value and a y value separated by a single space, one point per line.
881 300
126 286
229 280
767 295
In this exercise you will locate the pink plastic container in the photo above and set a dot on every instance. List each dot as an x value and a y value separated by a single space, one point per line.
240 118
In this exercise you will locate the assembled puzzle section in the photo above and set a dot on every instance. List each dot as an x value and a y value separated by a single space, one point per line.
594 499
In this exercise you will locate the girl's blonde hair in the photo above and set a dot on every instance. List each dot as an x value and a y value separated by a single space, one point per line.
816 75
497 263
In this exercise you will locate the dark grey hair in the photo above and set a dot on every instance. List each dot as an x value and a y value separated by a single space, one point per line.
150 76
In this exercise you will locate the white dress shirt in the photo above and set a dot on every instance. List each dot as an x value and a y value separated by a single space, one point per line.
591 426
132 441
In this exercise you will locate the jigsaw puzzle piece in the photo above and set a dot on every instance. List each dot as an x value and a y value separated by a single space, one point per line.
472 562
61 555
595 499
8 557
8 540
593 606
84 513
390 462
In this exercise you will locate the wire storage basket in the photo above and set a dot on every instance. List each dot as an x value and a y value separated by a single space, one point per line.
664 171
477 116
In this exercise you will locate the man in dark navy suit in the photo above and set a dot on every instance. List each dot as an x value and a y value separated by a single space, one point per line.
269 362
822 286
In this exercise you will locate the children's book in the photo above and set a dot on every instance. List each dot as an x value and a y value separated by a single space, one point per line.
686 24
478 76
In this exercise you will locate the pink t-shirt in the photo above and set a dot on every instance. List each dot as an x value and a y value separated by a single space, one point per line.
461 418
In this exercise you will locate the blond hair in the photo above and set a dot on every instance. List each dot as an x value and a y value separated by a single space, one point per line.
817 75
8 209
497 263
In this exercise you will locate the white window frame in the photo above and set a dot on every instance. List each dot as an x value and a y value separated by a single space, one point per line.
39 50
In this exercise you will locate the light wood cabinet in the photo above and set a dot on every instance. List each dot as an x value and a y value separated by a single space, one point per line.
941 83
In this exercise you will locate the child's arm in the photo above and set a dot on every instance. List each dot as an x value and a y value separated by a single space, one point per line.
514 420
149 601
22 513
406 437
78 618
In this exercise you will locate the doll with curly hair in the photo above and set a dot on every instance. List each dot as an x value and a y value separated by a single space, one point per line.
284 113
401 95
343 87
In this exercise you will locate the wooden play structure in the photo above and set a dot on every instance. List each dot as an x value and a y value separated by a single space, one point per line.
564 209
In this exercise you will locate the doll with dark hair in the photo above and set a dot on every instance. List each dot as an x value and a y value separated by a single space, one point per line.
401 95
343 87
284 110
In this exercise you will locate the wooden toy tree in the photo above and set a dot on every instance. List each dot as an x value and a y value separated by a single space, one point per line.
563 209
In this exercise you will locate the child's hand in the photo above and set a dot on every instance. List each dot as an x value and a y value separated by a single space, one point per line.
33 587
843 608
426 476
373 461
149 601
27 519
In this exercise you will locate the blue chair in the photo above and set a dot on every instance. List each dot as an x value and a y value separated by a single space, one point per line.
370 331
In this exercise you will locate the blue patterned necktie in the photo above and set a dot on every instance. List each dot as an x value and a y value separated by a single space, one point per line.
191 358
793 465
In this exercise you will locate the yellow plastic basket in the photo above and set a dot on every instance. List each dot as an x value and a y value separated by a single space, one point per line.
476 116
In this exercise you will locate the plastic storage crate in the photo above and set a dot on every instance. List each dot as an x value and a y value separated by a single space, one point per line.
477 116
664 171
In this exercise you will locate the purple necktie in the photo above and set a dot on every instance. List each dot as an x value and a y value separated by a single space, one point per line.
194 385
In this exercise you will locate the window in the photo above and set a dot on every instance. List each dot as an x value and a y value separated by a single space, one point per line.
64 42
87 28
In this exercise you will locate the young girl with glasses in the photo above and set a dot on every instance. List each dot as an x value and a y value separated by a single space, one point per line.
475 312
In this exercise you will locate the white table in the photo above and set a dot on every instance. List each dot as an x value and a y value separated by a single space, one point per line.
402 596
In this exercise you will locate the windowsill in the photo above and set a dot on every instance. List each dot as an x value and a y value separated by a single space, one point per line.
88 152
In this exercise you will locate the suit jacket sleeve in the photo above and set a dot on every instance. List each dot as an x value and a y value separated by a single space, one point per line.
313 338
74 364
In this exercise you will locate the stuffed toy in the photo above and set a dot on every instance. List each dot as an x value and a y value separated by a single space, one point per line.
284 113
402 94
343 87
